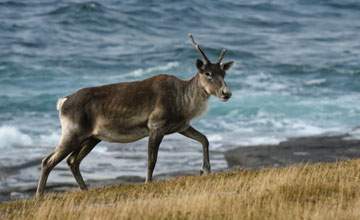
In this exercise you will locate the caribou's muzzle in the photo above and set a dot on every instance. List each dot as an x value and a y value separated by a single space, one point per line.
225 94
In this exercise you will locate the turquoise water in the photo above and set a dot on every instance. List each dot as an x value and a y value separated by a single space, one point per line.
296 72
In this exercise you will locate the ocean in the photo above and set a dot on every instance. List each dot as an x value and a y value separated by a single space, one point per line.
296 73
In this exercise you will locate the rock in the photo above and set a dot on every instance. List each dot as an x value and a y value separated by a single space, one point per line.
295 151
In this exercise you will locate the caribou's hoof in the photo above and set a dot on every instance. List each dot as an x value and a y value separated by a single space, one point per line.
205 171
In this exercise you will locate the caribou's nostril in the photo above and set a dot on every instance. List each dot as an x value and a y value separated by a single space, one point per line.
226 92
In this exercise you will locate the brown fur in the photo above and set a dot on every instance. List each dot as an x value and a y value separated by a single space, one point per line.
126 112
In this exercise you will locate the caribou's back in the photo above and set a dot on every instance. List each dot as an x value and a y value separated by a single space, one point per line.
120 112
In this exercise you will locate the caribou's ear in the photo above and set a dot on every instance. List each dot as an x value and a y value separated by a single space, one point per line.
226 66
199 64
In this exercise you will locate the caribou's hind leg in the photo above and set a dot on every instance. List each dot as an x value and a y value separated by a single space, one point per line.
196 135
66 146
77 156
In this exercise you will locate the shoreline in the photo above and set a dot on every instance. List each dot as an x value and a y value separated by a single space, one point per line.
295 151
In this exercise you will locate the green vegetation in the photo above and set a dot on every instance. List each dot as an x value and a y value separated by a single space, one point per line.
319 191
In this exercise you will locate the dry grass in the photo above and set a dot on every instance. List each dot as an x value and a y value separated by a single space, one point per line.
320 191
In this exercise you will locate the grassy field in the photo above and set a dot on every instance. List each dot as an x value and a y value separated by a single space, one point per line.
320 191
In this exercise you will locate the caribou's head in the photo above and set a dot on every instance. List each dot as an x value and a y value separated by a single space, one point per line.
212 74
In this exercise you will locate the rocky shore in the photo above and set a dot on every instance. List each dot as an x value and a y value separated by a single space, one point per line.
295 151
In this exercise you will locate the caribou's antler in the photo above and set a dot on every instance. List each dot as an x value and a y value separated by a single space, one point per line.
198 48
221 56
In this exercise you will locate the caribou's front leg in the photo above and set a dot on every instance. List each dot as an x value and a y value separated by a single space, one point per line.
190 132
155 138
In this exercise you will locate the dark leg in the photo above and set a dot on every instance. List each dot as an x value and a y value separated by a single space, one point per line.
155 139
196 135
77 156
65 147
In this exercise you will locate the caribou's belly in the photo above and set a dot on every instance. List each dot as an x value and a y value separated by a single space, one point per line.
120 129
127 136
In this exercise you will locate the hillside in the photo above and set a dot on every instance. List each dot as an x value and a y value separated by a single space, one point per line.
319 191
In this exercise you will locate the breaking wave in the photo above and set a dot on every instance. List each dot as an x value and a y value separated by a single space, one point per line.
12 137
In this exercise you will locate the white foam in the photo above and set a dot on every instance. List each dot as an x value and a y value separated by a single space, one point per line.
12 137
215 137
264 80
141 71
354 134
262 140
49 140
226 141
315 82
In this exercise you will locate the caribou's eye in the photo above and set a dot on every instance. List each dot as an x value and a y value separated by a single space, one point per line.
208 74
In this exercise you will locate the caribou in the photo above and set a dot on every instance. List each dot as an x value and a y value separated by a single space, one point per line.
128 111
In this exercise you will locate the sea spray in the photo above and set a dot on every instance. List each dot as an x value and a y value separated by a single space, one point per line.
11 137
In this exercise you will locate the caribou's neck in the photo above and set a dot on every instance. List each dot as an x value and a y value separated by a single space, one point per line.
195 89
195 100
